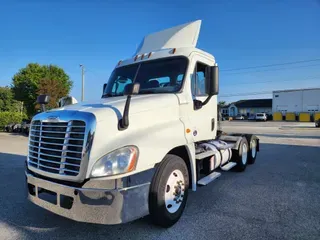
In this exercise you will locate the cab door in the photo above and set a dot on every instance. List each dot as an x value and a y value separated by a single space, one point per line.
204 119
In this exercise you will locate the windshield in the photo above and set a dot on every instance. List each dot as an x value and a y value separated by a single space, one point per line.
157 76
260 114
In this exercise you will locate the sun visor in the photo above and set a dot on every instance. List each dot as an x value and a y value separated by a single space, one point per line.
185 35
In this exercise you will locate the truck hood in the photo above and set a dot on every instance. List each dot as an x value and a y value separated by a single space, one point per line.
115 105
154 120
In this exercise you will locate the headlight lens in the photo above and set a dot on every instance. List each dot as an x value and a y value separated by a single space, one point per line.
122 160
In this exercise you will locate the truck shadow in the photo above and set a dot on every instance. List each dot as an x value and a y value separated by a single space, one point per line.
234 197
19 134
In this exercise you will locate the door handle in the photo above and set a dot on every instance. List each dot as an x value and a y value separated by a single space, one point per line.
212 124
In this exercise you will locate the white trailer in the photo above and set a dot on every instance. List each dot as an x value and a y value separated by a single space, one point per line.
296 100
139 150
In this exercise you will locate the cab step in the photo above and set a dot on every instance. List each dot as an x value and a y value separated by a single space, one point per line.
208 179
228 166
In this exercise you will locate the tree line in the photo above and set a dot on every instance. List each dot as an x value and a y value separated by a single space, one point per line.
31 81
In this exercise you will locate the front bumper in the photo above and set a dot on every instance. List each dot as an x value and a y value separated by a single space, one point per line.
93 205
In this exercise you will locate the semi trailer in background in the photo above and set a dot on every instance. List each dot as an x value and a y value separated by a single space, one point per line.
296 104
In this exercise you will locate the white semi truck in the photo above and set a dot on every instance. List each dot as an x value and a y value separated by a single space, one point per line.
151 139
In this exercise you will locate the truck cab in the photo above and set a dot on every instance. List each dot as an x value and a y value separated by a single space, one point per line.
138 150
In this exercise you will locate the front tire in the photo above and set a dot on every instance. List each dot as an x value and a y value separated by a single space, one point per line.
169 191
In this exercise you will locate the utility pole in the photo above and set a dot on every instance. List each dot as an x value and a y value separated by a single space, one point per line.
21 109
82 76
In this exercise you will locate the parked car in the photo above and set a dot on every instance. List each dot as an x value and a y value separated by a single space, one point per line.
317 123
9 127
269 117
16 128
239 117
252 117
25 125
261 117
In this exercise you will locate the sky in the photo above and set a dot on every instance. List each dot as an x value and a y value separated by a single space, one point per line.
97 34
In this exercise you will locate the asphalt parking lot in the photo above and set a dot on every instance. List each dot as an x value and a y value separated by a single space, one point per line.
276 198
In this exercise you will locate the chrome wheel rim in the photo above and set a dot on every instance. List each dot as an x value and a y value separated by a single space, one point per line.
244 154
174 191
253 148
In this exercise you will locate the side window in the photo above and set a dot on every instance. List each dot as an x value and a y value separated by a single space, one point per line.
198 80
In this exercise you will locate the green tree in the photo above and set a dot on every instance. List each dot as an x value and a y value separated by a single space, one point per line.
222 103
51 87
7 102
26 83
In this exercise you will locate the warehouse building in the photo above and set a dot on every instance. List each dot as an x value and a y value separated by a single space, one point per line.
297 104
247 107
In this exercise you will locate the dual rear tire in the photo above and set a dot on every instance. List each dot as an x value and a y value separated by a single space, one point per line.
246 153
240 156
253 148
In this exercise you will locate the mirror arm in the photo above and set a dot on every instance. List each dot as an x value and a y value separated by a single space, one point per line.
124 121
197 104
207 100
43 107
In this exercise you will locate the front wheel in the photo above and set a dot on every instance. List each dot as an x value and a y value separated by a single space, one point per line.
169 191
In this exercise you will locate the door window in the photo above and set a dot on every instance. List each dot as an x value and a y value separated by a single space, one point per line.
198 80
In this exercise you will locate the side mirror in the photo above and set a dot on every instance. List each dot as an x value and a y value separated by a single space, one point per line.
212 80
43 100
65 101
131 89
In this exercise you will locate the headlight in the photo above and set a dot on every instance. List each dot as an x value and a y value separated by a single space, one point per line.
122 160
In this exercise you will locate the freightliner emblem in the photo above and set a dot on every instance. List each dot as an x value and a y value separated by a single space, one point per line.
53 119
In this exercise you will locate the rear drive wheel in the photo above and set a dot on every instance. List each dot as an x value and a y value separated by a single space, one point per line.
253 148
169 191
240 156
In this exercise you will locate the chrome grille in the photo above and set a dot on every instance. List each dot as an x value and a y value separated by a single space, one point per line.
56 147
